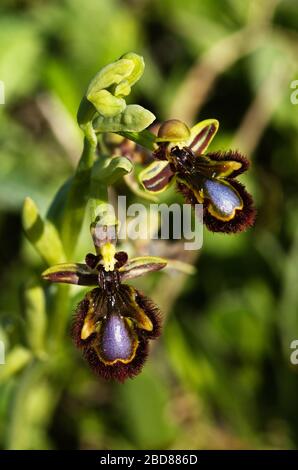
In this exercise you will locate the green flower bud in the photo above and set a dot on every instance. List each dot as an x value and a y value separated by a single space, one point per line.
134 118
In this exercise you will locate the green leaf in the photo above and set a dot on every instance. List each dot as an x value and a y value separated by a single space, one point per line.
19 53
143 404
57 206
36 319
16 360
42 234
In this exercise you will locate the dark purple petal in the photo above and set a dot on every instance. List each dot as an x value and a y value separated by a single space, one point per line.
71 273
92 260
121 258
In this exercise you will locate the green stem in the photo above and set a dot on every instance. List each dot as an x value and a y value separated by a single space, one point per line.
78 196
88 154
99 198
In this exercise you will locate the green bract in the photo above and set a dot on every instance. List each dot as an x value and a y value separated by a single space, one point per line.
133 118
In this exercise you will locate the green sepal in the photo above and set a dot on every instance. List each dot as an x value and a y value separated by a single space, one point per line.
181 266
201 135
156 177
139 266
131 181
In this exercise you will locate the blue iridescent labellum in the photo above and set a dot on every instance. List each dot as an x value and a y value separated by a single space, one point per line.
118 341
224 200
115 344
203 178
209 180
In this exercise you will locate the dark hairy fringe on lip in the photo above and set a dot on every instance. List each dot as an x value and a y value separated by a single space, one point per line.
119 371
231 155
243 219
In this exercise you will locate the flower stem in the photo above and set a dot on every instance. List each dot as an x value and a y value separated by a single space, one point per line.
77 197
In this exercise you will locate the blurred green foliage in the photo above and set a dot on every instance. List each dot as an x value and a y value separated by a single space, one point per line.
221 376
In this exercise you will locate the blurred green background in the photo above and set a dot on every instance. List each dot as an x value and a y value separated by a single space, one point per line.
221 376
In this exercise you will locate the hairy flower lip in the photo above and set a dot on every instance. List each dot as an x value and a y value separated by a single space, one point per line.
228 207
114 322
242 220
118 369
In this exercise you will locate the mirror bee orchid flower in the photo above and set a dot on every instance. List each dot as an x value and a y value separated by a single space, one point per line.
203 178
114 322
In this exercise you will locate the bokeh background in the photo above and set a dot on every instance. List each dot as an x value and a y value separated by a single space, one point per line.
221 376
